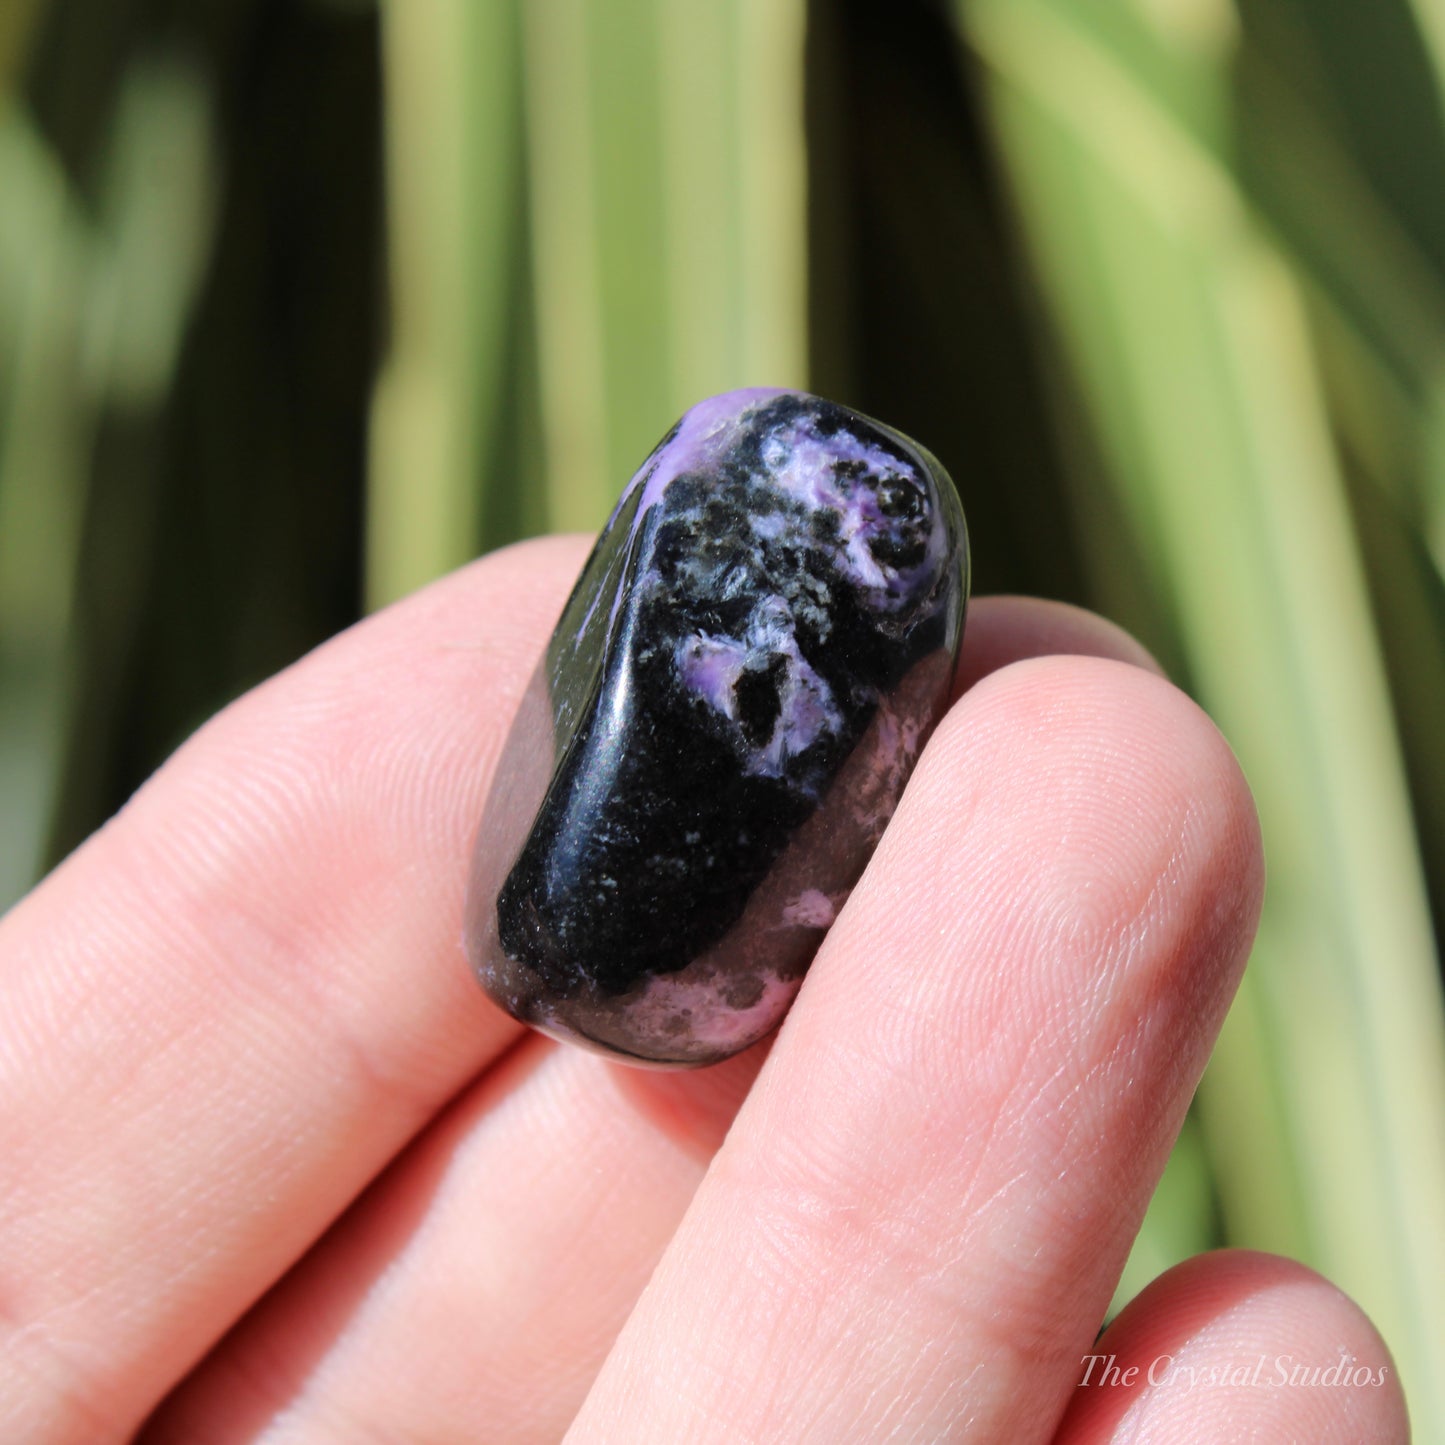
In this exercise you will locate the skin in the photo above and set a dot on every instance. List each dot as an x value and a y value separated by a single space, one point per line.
276 1170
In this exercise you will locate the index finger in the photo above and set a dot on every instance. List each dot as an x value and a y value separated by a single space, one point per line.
230 1007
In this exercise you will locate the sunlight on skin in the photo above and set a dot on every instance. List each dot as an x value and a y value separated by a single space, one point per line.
244 998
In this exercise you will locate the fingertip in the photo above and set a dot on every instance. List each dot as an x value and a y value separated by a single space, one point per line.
1233 1345
1006 629
526 583
1105 759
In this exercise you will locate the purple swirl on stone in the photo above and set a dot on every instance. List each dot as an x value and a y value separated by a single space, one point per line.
734 696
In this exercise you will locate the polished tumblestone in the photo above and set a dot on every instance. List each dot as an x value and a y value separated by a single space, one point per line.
732 701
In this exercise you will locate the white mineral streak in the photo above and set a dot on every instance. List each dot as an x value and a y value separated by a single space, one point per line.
710 667
813 908
804 465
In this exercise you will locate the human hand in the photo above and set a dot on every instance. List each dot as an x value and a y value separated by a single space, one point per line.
276 1169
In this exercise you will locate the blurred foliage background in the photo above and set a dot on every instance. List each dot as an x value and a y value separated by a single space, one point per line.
303 302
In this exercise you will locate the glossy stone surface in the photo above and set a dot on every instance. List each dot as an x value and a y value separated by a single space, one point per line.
733 699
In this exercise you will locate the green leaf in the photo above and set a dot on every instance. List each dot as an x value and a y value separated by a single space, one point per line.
1195 371
454 150
667 172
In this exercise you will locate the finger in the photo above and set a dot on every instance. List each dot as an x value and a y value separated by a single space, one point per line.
547 1194
1236 1346
1002 630
230 1007
915 1223
473 1292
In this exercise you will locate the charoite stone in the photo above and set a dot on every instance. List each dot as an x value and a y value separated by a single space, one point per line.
736 692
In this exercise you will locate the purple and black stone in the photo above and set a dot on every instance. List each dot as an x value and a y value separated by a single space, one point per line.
738 688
